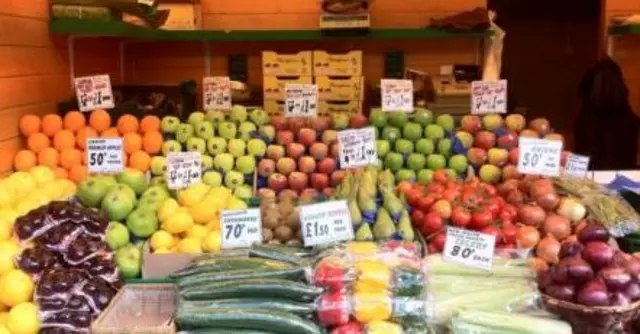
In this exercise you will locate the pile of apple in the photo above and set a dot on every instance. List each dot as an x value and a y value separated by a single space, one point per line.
230 145
413 145
491 142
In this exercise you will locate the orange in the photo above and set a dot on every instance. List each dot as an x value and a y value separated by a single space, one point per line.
70 157
140 160
38 141
127 124
64 139
78 173
48 157
74 121
83 134
61 173
132 142
29 124
152 142
149 123
51 124
110 133
100 120
24 160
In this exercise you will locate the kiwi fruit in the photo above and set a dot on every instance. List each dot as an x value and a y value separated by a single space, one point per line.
283 233
267 234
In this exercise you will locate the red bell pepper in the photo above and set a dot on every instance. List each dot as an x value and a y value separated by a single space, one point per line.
353 327
334 308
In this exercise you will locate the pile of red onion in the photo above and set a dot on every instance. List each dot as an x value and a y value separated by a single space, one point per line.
591 273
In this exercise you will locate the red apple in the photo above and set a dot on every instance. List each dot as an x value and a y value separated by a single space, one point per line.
540 125
337 177
485 140
319 150
510 172
327 192
329 137
358 121
307 164
277 181
528 133
327 166
266 167
286 166
306 136
335 151
470 123
295 150
319 181
515 122
275 152
476 156
298 180
514 154
297 123
320 123
498 156
508 141
284 137
279 122
308 195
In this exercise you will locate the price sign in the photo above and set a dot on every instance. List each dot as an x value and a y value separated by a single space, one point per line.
469 248
397 95
104 155
183 169
539 156
357 147
325 223
216 93
488 97
240 228
301 100
94 92
577 165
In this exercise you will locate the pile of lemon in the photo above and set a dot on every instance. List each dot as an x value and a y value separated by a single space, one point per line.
191 224
20 193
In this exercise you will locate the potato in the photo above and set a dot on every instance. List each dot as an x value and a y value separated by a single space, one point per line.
267 234
283 233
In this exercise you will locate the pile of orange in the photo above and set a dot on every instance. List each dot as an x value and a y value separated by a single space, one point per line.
59 142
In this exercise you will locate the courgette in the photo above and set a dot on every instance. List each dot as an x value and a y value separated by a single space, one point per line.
225 331
227 265
295 273
253 288
273 254
298 308
278 321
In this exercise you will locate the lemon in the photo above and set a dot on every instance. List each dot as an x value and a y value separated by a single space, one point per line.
161 239
6 228
193 194
197 232
179 221
9 214
6 196
189 246
4 330
203 212
68 189
8 251
167 208
17 288
212 243
3 317
24 183
162 251
23 319
237 204
214 224
42 174
3 308
218 196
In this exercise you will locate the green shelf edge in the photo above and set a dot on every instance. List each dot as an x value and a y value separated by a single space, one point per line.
120 29
633 29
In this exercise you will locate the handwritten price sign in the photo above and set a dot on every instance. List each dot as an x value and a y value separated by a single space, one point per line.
104 155
301 100
539 156
325 223
94 92
488 97
397 95
183 169
357 147
577 165
469 248
216 93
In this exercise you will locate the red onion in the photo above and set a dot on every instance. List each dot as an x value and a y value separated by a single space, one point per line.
619 299
593 232
570 248
633 291
615 278
515 197
572 270
562 292
531 215
544 279
598 254
548 201
632 266
593 293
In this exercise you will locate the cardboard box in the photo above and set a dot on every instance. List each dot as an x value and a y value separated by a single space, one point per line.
328 108
275 64
345 64
274 107
273 88
339 88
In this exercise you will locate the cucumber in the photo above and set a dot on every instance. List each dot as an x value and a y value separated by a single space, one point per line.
225 331
253 288
298 308
295 273
274 254
277 321
228 264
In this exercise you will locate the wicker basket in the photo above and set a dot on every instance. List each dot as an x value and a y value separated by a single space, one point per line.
138 309
595 320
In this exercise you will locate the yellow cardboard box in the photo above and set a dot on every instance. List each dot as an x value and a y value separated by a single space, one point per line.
273 88
274 107
275 64
328 108
336 64
339 88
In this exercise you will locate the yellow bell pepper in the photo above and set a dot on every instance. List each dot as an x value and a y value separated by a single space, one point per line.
362 248
375 273
384 327
372 306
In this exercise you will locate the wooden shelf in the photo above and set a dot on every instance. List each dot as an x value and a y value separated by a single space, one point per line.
633 29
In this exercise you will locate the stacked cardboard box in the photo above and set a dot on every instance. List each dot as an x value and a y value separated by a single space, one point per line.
450 97
278 70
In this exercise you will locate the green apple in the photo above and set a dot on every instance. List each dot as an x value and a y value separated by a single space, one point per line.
125 189
257 147
109 180
117 235
433 131
459 163
247 130
133 178
142 223
444 146
378 118
212 178
169 124
267 132
424 146
171 146
412 131
129 261
227 130
117 205
382 147
158 165
238 113
425 176
398 119
216 145
233 179
423 116
184 132
223 162
204 130
404 146
243 192
195 144
416 161
451 173
258 116
214 117
206 161
149 204
236 147
391 134
340 121
158 181
436 161
405 175
159 192
446 121
195 118
246 164
92 191
394 161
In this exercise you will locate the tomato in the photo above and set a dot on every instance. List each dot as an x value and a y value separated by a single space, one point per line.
481 219
451 184
413 196
460 216
493 231
440 176
508 245
508 212
492 206
442 208
438 241
435 188
425 202
431 224
489 189
404 186
509 233
417 217
431 248
451 195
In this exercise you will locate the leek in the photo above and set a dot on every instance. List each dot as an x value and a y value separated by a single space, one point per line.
516 268
496 322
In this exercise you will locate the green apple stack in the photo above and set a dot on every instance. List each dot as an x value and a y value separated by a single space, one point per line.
413 145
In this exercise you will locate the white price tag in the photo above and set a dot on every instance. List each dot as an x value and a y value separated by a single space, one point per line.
577 165
469 248
539 156
240 228
397 95
105 155
357 147
216 93
301 100
183 169
325 223
488 97
94 92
